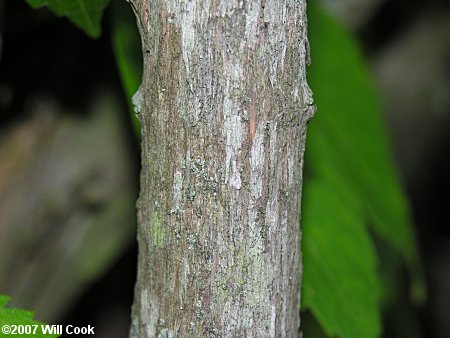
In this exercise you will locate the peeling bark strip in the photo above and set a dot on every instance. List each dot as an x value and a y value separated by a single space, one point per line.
224 113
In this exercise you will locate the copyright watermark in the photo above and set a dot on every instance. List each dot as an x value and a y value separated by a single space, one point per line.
43 329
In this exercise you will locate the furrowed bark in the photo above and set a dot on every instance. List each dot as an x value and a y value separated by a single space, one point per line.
224 113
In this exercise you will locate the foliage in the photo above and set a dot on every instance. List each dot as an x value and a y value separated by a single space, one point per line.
86 14
12 316
350 182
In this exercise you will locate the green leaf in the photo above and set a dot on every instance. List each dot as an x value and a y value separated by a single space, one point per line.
340 283
86 14
12 316
350 182
128 53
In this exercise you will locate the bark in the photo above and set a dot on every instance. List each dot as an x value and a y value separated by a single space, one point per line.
225 105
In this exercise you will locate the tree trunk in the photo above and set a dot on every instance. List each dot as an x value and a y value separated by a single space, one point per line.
225 105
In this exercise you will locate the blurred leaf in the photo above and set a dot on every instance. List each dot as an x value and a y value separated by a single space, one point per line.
128 52
12 316
350 181
86 14
340 285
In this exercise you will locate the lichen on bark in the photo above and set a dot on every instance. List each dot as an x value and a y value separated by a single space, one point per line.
224 113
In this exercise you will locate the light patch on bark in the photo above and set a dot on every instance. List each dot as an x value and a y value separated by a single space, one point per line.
184 282
233 133
272 322
134 328
286 277
257 166
275 17
233 126
183 15
251 22
149 313
177 192
272 147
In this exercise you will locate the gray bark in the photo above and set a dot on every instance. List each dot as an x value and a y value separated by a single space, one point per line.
224 110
